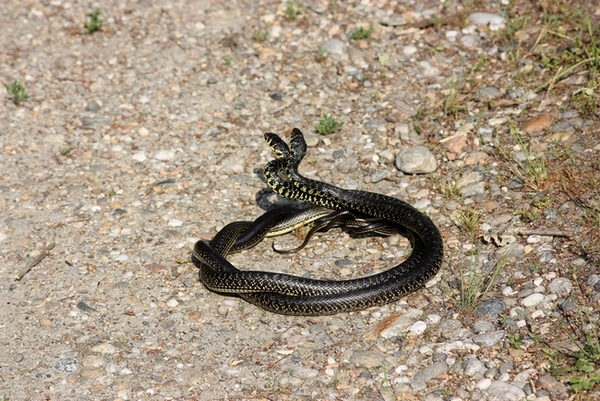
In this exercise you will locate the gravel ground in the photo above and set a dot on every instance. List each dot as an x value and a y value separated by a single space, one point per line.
143 137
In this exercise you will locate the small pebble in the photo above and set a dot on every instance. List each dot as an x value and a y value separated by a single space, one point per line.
561 286
418 327
334 47
164 155
532 300
481 18
416 160
139 156
104 348
490 308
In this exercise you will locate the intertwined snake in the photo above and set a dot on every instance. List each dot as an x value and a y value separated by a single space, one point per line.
292 295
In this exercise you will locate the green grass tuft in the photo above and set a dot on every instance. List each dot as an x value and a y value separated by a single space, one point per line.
17 92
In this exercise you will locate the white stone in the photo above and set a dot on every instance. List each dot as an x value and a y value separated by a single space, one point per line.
175 223
532 300
418 327
479 18
139 156
164 155
104 348
409 50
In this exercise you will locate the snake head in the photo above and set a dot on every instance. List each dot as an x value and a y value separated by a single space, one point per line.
279 147
298 146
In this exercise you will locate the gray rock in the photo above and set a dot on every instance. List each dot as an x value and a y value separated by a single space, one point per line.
489 339
311 139
302 372
380 175
489 93
347 165
334 47
501 391
393 20
468 179
593 280
472 366
416 160
477 188
420 379
482 326
560 286
449 328
490 308
514 250
67 365
92 106
470 40
387 155
375 123
367 358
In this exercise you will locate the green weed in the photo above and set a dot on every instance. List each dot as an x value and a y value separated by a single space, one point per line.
515 340
292 10
17 92
451 102
66 150
361 33
468 220
532 170
93 22
322 54
450 190
475 285
328 125
259 36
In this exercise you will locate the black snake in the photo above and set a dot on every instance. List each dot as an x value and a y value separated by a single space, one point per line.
292 295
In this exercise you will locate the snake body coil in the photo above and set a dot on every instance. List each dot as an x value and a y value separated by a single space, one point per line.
292 295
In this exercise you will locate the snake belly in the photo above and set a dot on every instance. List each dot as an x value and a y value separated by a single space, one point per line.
292 295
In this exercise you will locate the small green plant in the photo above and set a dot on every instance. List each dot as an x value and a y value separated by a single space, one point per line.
542 202
530 215
447 187
292 10
474 285
93 22
532 168
587 99
361 33
468 221
450 190
383 59
66 150
260 36
17 92
322 54
328 125
535 169
583 375
582 365
227 61
515 340
451 102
